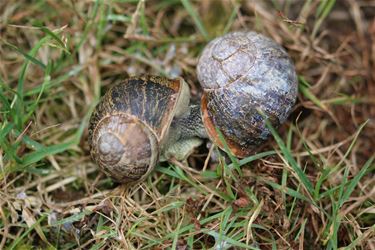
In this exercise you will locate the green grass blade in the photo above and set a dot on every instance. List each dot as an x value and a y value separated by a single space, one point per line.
323 10
167 171
53 35
4 131
198 23
253 158
346 172
232 17
18 99
76 70
40 154
73 218
354 182
27 56
5 105
20 238
309 95
229 240
47 79
235 164
288 191
288 156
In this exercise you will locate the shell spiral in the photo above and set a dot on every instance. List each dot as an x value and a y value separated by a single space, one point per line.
129 124
243 73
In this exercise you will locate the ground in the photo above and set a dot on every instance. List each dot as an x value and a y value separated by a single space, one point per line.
311 186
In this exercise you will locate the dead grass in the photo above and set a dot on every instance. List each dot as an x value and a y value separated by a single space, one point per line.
311 187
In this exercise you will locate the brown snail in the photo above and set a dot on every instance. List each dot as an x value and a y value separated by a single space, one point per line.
244 74
142 120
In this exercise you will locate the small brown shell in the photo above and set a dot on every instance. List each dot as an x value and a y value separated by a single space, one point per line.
130 123
243 73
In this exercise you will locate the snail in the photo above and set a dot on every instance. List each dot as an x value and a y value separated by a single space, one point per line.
245 74
246 77
140 121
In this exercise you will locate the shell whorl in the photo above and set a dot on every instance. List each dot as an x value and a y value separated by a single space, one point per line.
242 73
116 147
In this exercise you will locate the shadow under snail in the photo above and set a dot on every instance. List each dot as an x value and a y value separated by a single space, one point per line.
143 120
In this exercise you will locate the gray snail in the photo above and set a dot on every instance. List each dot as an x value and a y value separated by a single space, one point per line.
143 120
244 74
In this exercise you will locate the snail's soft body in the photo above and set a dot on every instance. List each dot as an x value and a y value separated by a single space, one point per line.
245 74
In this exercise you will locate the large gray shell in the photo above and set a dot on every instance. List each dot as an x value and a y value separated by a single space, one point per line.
242 73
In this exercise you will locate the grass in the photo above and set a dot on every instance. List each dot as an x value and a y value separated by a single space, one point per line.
311 186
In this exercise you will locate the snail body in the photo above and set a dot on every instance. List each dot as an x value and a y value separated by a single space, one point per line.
130 125
244 74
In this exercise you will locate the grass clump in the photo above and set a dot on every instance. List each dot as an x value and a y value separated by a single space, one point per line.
310 187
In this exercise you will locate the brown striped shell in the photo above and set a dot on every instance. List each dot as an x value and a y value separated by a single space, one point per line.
131 122
243 73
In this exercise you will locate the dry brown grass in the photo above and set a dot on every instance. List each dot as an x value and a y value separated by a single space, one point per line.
52 194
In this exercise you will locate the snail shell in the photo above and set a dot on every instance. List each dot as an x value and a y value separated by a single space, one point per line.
242 73
131 122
